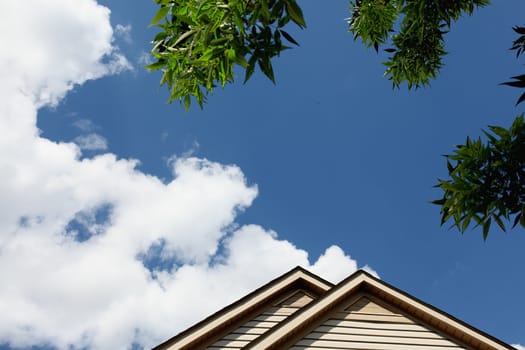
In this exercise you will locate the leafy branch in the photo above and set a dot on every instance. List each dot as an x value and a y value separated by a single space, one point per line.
519 46
417 48
201 41
487 181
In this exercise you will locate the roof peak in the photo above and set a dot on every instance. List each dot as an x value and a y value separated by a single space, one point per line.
320 299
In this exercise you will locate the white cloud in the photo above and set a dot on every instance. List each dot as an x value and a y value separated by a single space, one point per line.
124 32
518 346
67 39
91 142
84 125
145 58
334 256
94 253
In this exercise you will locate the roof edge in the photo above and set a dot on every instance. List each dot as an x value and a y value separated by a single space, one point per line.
441 315
362 280
245 304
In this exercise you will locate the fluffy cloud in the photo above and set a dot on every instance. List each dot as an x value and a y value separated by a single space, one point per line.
94 253
91 142
519 347
53 45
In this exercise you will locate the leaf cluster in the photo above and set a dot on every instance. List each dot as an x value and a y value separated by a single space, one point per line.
414 31
201 41
519 46
487 180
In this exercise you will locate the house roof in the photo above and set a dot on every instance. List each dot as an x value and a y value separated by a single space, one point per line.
214 327
299 310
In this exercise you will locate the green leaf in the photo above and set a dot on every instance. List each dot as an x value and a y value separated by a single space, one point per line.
211 53
240 60
266 68
289 37
438 201
519 84
187 101
486 228
295 12
251 66
498 130
160 36
499 222
161 13
184 36
230 53
516 220
519 30
466 223
521 99
156 66
238 20
450 167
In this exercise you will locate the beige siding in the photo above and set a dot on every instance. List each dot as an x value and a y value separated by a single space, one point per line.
360 313
366 325
263 322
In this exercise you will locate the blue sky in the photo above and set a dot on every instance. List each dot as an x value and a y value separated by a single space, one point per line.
331 156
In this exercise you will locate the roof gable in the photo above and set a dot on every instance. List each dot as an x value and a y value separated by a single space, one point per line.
240 323
367 300
301 311
268 318
369 324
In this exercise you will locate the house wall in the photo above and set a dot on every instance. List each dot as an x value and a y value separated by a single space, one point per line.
366 324
263 322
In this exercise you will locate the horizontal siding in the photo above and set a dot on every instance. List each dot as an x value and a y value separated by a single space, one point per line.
231 344
380 339
349 345
281 310
364 305
375 325
366 325
237 336
270 318
249 330
262 323
358 316
297 300
377 332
